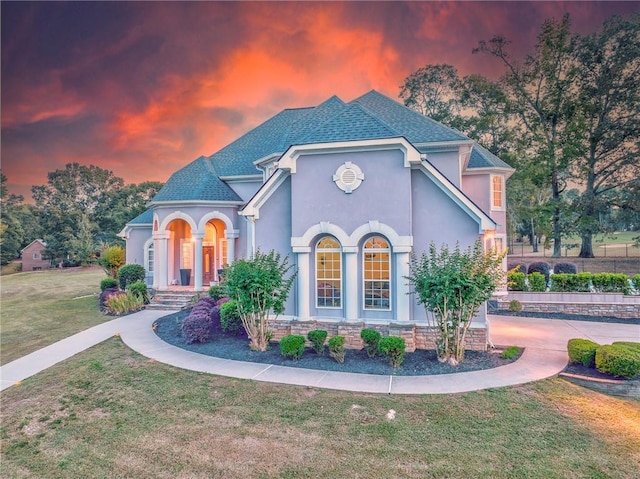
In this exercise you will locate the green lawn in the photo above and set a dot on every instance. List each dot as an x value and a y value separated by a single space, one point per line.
110 412
40 308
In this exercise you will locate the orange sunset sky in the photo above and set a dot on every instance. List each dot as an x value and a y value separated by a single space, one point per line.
144 88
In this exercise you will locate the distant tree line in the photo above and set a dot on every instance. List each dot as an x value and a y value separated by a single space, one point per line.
566 116
77 213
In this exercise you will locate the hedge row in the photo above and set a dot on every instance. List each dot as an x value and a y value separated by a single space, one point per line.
572 282
620 359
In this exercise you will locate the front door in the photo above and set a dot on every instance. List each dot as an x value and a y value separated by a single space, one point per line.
208 265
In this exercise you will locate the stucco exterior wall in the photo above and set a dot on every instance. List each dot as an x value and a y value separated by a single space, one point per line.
245 189
138 236
384 195
447 163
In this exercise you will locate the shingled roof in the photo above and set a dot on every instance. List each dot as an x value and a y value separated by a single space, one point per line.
370 116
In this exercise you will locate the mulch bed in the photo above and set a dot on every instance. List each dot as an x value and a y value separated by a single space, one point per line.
420 362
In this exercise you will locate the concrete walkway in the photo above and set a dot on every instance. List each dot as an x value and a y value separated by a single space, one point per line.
545 356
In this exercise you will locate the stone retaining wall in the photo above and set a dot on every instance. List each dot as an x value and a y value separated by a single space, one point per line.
416 336
589 304
613 387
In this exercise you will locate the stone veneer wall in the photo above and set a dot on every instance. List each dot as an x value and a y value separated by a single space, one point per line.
613 310
416 336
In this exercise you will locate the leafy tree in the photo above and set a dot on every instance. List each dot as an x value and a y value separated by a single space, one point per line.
541 96
259 287
432 90
11 232
608 80
452 286
83 244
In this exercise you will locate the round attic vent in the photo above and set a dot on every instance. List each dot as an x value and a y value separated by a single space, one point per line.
348 177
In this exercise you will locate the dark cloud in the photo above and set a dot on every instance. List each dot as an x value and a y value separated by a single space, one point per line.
143 88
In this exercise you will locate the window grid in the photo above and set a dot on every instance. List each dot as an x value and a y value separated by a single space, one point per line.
377 274
496 183
328 273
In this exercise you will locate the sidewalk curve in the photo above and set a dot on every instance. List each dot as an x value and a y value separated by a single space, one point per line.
545 356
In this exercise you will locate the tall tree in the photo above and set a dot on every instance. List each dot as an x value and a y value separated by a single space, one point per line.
609 83
541 95
11 232
432 91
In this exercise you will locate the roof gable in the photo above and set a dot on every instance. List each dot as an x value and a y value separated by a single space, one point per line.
483 158
35 242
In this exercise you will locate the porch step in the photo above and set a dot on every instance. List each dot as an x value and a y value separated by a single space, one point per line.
170 300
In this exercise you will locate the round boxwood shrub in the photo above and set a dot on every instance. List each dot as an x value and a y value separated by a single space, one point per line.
565 268
517 267
515 306
618 360
582 351
292 346
230 320
540 267
108 283
130 273
371 338
516 281
393 348
196 328
336 348
317 338
628 344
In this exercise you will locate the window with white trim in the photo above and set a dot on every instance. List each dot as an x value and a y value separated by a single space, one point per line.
328 273
36 256
187 254
376 274
497 192
150 258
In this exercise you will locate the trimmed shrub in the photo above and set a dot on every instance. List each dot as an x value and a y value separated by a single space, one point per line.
210 302
628 344
108 283
618 360
572 283
371 338
221 301
582 351
122 302
515 306
392 347
292 346
517 267
217 292
636 282
336 348
565 268
537 283
317 338
511 352
611 283
540 267
139 288
196 328
516 281
105 295
130 273
230 320
214 315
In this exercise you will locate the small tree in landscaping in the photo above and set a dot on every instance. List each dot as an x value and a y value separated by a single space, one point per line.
111 260
259 287
452 285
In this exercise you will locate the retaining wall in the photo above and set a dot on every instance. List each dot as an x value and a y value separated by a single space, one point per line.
613 305
416 335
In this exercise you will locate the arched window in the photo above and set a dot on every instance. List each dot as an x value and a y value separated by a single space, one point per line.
328 273
376 274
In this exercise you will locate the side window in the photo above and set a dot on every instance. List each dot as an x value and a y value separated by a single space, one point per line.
150 258
376 273
328 273
497 192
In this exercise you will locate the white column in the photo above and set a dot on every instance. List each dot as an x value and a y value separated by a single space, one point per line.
303 283
251 235
197 261
231 245
351 282
162 261
403 299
